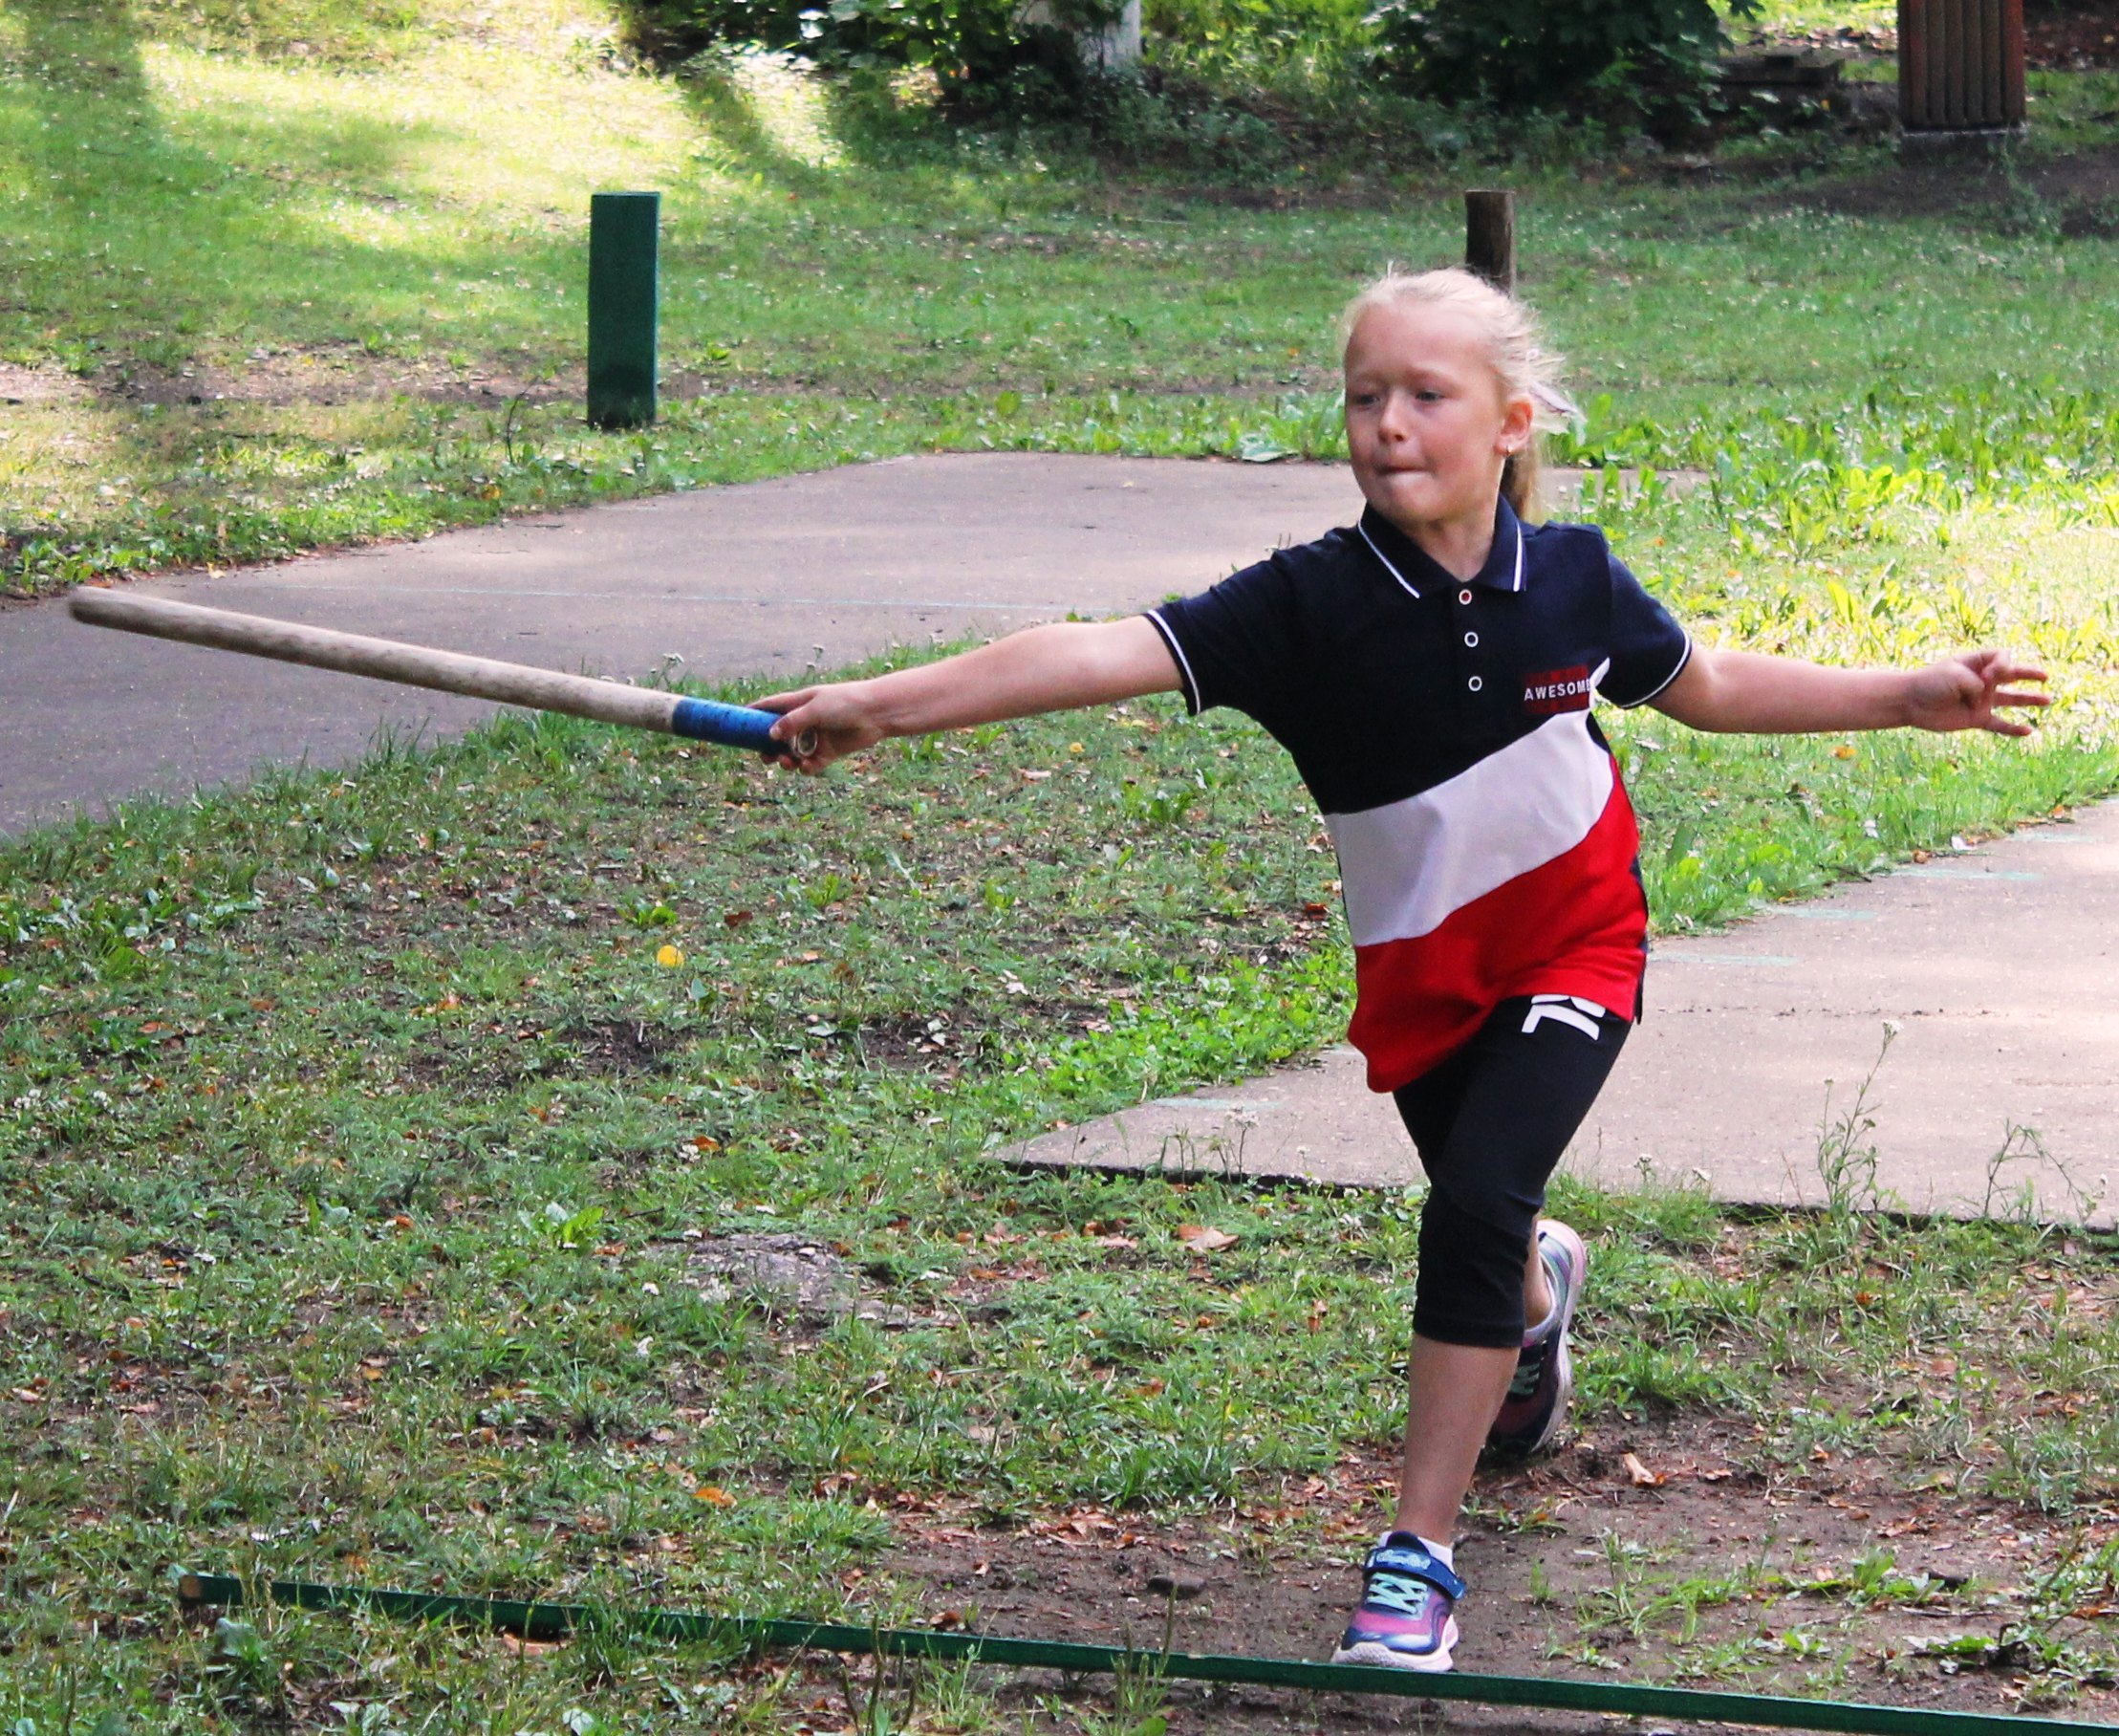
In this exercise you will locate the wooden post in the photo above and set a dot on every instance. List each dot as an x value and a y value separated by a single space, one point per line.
624 295
2013 51
1960 66
1490 236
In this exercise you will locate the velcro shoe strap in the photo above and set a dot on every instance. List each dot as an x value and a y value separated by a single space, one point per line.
1414 1562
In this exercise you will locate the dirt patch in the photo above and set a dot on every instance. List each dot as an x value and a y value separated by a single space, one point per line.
1648 1552
2074 37
39 385
344 373
2079 192
784 1273
939 1040
498 1057
617 1048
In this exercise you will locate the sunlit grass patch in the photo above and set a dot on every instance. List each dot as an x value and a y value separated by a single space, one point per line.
1793 15
761 105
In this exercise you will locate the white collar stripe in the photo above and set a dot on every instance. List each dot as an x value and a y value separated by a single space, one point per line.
1412 590
1409 590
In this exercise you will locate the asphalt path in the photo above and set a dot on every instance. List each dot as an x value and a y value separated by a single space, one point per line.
754 583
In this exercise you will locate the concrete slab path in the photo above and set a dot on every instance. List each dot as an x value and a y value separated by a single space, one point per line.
1996 967
762 580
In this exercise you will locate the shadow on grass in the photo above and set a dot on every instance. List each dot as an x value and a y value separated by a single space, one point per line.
162 228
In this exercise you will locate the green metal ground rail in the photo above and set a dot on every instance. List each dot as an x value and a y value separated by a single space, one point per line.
1692 1705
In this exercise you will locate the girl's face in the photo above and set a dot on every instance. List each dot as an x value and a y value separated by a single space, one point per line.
1427 424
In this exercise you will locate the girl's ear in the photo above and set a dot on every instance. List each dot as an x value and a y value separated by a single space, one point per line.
1516 425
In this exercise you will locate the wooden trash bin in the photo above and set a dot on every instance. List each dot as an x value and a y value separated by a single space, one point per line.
1960 65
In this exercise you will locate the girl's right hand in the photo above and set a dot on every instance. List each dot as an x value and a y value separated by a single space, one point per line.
842 714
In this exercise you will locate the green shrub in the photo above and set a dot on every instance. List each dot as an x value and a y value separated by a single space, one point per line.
1650 61
1269 41
985 55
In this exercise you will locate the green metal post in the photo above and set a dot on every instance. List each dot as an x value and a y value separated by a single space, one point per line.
623 303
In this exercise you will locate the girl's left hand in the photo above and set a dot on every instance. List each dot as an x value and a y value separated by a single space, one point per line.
1964 692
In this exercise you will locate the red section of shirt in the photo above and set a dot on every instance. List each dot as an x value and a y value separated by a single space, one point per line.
1575 925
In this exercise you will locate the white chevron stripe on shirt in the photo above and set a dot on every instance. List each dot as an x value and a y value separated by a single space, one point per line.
1408 866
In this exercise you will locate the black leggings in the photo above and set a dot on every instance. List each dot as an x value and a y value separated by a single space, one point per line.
1491 1123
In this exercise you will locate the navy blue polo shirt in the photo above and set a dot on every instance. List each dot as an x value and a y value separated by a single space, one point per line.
1486 847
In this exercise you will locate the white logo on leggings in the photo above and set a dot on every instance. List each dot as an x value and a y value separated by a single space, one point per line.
1568 1009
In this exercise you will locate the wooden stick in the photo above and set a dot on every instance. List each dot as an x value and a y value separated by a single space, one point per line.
443 671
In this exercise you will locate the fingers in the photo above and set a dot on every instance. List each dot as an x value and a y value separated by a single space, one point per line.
784 730
1996 666
827 744
1997 674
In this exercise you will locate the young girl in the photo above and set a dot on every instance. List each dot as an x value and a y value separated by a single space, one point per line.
1431 670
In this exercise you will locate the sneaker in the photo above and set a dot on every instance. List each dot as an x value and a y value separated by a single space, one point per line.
1537 1401
1405 1620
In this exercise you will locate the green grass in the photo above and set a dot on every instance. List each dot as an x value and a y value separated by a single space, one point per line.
1790 15
827 264
352 1127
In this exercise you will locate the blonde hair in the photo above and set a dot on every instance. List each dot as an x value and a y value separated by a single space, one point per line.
1522 364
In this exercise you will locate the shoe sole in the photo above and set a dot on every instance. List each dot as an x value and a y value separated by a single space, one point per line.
1376 1653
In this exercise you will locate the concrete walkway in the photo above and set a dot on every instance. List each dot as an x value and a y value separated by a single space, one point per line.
761 580
1996 967
1999 969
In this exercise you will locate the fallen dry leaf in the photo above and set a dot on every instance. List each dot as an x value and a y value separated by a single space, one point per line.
1203 1238
1643 1477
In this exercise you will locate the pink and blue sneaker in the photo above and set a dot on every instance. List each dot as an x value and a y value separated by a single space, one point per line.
1537 1401
1406 1620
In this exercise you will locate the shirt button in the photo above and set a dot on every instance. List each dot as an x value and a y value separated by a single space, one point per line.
1463 596
1471 639
1474 683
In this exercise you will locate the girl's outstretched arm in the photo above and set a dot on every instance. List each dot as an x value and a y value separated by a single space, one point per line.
1053 669
1741 691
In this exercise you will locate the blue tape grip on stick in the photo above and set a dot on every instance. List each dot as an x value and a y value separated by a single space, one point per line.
706 720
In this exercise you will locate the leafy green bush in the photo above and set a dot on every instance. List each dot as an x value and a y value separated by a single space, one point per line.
985 54
1269 42
1650 60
